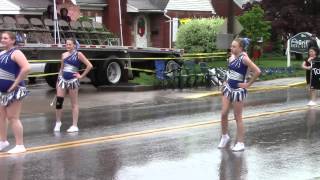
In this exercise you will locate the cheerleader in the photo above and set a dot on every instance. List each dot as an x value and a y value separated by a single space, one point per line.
234 91
14 68
307 65
68 80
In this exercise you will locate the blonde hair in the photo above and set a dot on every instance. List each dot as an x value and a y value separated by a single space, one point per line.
240 42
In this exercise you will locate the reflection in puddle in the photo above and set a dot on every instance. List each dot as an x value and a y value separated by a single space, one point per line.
233 165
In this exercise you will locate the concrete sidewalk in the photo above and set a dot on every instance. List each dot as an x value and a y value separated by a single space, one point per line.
90 97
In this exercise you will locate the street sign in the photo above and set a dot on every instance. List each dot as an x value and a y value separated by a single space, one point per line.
299 42
315 75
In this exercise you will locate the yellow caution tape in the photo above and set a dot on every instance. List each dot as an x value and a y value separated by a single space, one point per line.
47 74
204 54
43 61
42 75
142 70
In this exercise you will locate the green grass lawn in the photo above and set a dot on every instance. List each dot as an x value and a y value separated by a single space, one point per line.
278 61
269 62
265 62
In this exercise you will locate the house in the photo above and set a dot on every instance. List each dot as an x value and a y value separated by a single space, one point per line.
154 23
141 23
149 23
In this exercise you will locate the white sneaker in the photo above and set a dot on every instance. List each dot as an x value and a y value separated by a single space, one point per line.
17 149
312 103
4 144
238 147
73 129
57 126
225 139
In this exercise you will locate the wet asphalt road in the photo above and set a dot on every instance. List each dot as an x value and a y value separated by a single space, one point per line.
176 140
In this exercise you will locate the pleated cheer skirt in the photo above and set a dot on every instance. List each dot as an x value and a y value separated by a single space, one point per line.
19 93
68 84
234 95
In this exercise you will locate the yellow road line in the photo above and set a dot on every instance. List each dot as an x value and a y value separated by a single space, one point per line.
145 133
252 89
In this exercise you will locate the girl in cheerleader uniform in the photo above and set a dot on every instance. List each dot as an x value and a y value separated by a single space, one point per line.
68 80
234 91
14 68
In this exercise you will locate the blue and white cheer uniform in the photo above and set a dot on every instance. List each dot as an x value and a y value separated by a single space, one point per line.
9 71
67 80
236 74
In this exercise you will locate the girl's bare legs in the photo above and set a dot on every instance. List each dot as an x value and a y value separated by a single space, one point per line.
313 95
13 115
75 107
224 122
224 114
3 128
60 94
237 109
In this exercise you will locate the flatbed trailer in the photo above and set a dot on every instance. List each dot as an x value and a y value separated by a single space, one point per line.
112 63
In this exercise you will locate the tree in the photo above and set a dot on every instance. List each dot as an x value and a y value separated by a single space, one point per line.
290 17
255 27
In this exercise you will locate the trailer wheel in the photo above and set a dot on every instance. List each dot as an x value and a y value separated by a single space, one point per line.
51 79
112 72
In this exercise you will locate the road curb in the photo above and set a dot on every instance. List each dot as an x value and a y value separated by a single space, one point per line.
252 89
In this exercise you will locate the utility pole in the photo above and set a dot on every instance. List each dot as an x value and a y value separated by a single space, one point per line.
230 18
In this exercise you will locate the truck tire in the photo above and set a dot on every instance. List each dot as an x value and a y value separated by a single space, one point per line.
51 79
112 72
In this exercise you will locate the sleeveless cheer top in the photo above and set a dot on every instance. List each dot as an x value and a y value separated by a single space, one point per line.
71 65
237 71
9 70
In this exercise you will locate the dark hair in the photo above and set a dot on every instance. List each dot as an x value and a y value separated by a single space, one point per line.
11 35
49 8
65 10
316 50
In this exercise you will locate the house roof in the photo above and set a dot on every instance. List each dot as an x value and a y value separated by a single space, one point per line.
190 5
6 6
146 5
25 4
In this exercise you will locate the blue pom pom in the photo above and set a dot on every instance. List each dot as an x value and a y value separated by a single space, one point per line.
246 42
77 44
19 38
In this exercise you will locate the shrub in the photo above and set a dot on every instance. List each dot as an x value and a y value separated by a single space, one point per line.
199 35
